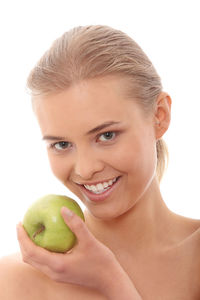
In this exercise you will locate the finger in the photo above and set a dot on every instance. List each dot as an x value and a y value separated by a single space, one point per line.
32 253
76 224
50 263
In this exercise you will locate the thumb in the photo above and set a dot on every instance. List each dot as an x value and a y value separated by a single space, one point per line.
76 224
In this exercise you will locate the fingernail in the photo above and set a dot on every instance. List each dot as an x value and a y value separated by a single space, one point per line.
18 225
67 212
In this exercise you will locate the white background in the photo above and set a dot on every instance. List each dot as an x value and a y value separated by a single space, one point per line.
168 31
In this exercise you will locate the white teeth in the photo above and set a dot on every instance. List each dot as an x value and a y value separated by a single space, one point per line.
100 187
105 185
87 187
94 189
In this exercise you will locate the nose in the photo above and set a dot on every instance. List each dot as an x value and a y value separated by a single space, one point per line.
86 164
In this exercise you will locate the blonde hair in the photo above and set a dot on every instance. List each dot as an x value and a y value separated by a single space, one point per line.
87 52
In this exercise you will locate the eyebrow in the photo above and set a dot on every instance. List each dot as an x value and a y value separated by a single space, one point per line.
94 130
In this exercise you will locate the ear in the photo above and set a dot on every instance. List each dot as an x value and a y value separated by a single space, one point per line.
162 114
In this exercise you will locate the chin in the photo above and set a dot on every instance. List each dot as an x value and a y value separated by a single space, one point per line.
106 213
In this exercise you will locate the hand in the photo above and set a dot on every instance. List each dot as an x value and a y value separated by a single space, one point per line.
88 264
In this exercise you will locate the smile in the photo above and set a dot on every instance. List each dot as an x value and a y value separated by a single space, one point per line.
100 191
100 187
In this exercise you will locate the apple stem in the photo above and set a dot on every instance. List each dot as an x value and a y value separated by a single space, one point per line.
42 228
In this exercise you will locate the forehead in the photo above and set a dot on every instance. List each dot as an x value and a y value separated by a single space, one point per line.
87 103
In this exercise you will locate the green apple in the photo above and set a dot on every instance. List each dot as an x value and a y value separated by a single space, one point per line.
45 226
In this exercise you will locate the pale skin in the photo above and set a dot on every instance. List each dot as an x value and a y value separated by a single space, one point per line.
131 245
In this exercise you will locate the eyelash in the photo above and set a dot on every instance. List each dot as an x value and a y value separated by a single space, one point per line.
104 133
53 145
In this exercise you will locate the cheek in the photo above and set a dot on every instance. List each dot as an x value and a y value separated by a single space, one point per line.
144 165
137 158
59 168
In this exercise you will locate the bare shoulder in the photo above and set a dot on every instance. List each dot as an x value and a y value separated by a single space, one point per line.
196 257
19 280
186 226
187 233
192 230
192 248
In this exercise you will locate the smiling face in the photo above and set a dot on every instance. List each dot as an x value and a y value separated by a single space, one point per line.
98 138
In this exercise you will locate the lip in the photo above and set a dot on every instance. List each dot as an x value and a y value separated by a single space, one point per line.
100 197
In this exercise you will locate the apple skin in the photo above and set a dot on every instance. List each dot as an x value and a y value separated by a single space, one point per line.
45 226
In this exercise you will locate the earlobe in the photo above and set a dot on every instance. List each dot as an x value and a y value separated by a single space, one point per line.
162 114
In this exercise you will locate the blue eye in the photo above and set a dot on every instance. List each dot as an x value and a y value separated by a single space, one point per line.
107 136
60 146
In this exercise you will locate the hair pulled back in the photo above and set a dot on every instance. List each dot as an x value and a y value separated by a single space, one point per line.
87 52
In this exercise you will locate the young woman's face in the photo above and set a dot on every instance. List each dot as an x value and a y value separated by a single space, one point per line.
99 144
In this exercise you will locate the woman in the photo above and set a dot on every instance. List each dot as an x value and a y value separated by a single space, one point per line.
102 113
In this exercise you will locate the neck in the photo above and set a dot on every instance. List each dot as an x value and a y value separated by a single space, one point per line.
147 225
